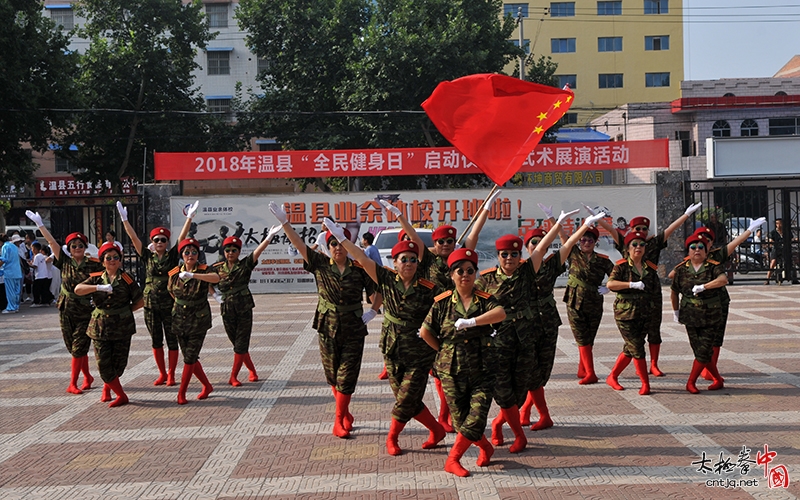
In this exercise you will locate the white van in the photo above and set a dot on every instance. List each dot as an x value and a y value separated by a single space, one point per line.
26 229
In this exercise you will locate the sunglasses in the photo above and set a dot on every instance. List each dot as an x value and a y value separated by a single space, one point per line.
412 260
697 246
637 244
513 255
587 240
231 250
160 240
641 229
109 258
78 245
470 271
534 241
448 241
333 244
190 252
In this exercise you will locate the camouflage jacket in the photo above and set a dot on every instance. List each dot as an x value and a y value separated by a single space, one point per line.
630 303
706 307
234 283
72 274
156 295
435 269
513 293
586 274
112 318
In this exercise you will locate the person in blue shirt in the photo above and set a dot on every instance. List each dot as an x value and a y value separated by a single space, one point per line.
370 249
12 271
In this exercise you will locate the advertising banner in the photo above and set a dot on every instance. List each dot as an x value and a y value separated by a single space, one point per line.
281 269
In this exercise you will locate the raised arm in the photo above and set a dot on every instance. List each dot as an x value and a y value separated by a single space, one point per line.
576 236
187 224
264 244
295 238
471 241
744 235
37 219
694 207
541 249
614 232
548 212
368 264
407 227
123 215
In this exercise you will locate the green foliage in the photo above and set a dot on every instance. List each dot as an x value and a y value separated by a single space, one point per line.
704 214
36 75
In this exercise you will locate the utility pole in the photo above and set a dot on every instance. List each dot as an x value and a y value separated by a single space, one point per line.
521 45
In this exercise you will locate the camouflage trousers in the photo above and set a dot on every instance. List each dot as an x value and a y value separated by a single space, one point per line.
239 328
719 337
341 360
469 390
513 374
159 324
408 382
633 333
544 351
74 320
652 328
112 357
702 339
190 326
584 323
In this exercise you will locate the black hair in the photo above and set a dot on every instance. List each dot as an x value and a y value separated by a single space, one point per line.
458 263
368 237
112 233
36 244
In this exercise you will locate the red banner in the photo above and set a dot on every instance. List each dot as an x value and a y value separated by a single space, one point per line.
406 161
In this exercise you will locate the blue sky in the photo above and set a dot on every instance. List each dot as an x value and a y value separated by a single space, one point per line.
739 38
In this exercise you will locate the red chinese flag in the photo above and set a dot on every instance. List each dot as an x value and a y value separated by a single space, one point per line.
495 120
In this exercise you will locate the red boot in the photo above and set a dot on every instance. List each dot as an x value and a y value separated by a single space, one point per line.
654 350
641 370
453 463
718 381
342 402
691 384
525 411
511 415
588 364
384 374
188 370
158 355
395 428
445 419
122 398
87 377
237 365
497 429
348 417
714 357
172 354
622 362
253 376
545 422
201 376
581 368
105 396
437 431
485 455
75 371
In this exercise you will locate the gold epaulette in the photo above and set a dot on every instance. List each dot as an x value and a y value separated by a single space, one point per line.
714 262
98 273
218 264
601 255
488 271
621 261
685 261
92 259
443 295
426 283
175 270
651 265
127 278
202 267
482 294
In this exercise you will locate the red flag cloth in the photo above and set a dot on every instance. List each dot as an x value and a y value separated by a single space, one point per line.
495 120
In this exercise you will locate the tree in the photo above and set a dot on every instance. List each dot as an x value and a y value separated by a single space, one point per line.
136 78
36 75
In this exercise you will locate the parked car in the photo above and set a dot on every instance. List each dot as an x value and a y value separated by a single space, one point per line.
387 238
738 225
26 229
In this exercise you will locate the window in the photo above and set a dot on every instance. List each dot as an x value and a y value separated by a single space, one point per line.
610 81
219 62
217 15
656 42
609 8
63 165
571 80
687 147
220 105
656 79
569 119
720 128
728 94
749 128
656 6
784 126
780 92
63 18
513 9
562 9
526 42
559 45
262 64
609 44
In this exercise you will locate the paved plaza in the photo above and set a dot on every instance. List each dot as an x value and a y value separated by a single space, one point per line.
272 438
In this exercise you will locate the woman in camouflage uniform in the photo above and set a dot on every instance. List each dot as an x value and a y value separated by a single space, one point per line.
458 326
157 300
339 319
696 303
74 311
115 295
237 303
191 313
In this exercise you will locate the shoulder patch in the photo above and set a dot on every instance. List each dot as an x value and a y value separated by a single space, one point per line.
202 267
426 283
651 265
488 271
549 257
98 273
711 261
621 261
482 294
602 255
175 270
443 295
218 264
127 278
92 259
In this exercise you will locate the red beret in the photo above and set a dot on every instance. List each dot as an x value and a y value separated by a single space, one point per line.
188 242
634 235
232 240
510 242
463 254
640 221
705 230
78 236
405 246
159 231
401 235
594 232
444 232
698 238
105 247
533 233
328 235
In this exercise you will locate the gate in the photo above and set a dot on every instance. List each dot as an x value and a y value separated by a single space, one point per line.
734 204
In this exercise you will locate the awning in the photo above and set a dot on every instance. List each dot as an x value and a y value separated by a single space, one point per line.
219 49
580 135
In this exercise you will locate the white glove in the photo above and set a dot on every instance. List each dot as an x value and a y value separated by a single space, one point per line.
698 289
185 275
369 315
218 297
637 285
119 245
490 201
590 210
592 219
756 224
65 250
34 217
336 230
548 211
273 231
278 212
123 212
564 215
192 209
151 247
391 208
694 207
602 289
462 323
676 316
105 288
292 251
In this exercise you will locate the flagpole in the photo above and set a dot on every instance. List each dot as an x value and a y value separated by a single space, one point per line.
477 212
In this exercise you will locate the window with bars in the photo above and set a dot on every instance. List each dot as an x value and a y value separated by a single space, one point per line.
63 17
217 15
784 126
262 64
609 44
721 128
749 128
219 62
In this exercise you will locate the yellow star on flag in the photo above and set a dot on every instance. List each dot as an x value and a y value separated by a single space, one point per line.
538 130
557 104
569 98
542 116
